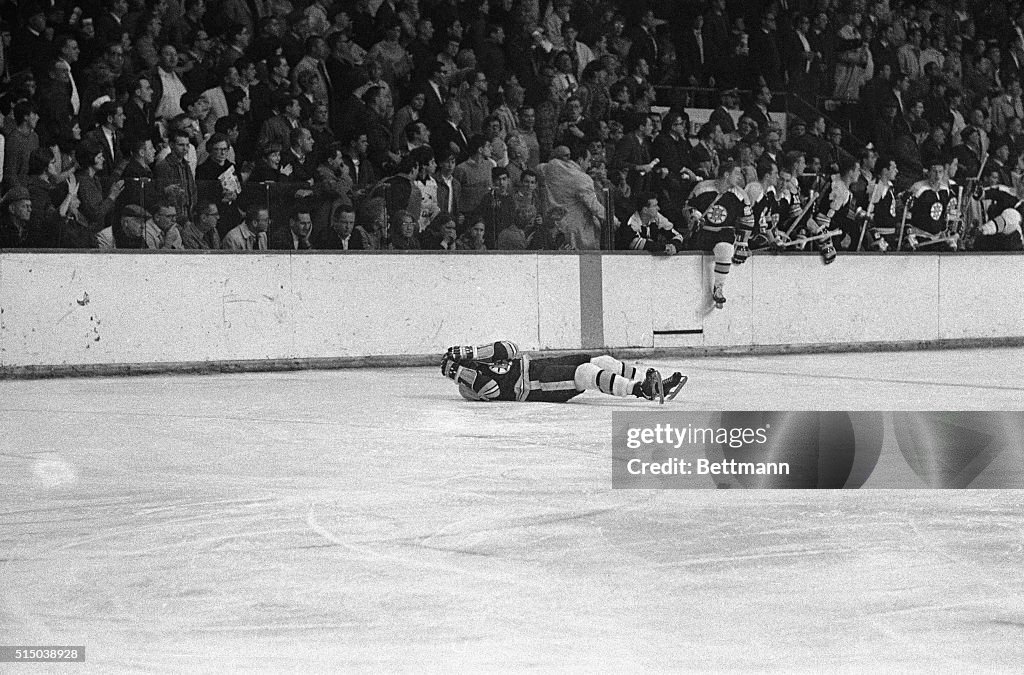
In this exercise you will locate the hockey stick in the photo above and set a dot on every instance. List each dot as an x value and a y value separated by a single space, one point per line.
903 222
828 234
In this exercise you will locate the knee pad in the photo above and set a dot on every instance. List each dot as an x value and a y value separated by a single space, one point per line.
724 251
586 375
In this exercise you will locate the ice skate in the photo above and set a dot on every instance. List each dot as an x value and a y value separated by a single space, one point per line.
828 253
673 384
718 296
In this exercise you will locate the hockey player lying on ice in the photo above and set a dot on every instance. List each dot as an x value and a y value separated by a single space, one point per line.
499 372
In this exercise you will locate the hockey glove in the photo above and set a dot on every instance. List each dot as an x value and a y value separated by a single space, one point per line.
449 366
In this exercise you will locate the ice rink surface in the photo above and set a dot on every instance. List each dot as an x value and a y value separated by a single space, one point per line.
367 520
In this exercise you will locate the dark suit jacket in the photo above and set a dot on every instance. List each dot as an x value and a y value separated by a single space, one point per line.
445 135
433 108
56 118
723 118
111 161
689 60
280 239
764 54
366 177
302 171
138 123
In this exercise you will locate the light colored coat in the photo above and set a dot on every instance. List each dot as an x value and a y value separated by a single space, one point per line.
568 186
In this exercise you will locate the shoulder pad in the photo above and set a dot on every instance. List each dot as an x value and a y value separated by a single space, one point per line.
702 187
1005 189
741 195
919 188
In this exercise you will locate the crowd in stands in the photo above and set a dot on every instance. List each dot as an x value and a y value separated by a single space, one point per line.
475 124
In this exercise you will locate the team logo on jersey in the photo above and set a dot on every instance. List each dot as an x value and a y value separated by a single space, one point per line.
501 367
716 215
936 211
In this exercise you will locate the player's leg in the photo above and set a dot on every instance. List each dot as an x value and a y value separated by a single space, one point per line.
723 252
606 362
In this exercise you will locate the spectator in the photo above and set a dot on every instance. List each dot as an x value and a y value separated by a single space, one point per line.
201 234
167 86
441 235
162 232
569 187
338 236
94 206
175 170
21 142
474 175
405 232
297 236
297 162
15 229
314 62
55 109
333 179
251 234
473 103
551 235
496 210
108 136
473 239
449 190
908 153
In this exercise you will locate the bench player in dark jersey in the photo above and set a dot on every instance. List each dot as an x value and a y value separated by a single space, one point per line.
500 372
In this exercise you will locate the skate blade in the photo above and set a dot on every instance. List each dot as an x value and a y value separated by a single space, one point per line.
671 393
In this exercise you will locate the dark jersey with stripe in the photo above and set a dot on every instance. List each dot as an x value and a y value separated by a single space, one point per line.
884 215
930 211
729 209
998 198
498 381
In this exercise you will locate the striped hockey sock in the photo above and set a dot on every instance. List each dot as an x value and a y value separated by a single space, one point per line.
611 363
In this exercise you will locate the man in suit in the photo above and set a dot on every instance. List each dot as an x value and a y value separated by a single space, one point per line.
764 51
297 236
645 42
29 46
278 128
297 161
314 62
449 135
110 25
56 114
633 152
693 55
722 115
359 168
433 113
138 113
108 136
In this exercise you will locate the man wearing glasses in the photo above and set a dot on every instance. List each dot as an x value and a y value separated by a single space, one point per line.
201 235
